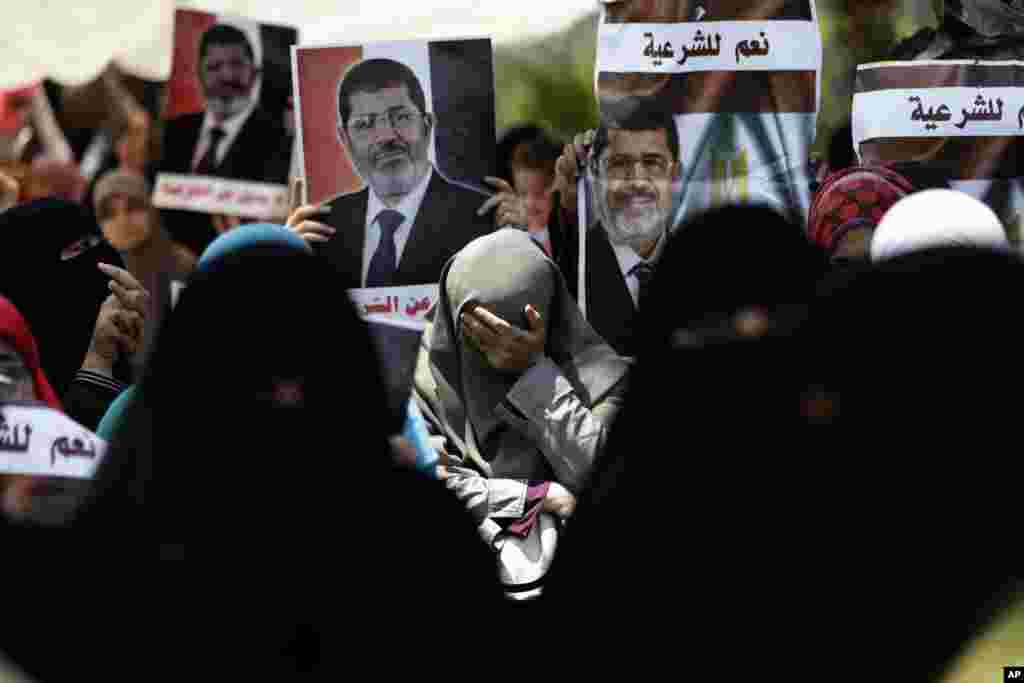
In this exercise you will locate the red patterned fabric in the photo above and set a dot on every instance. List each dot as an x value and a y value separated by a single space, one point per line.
853 197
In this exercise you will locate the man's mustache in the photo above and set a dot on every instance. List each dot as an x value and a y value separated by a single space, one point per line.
389 148
638 194
233 87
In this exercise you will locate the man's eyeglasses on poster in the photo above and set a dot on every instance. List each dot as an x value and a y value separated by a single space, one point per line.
622 167
401 119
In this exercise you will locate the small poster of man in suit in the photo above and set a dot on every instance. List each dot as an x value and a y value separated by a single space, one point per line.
228 115
396 139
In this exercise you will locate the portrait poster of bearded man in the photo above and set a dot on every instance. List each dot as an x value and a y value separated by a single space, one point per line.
227 113
396 139
740 77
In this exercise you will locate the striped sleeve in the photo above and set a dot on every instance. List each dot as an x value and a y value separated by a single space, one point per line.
99 380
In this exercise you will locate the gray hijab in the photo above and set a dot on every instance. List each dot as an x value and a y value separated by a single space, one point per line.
504 271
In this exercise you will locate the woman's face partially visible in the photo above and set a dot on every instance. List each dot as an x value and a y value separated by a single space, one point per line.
532 185
125 222
16 382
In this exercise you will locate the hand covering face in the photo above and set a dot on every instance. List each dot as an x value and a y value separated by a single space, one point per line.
504 272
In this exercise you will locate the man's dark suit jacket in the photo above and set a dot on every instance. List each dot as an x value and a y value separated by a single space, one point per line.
445 223
261 152
610 308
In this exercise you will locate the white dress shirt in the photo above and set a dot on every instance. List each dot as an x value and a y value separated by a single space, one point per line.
628 258
408 207
231 127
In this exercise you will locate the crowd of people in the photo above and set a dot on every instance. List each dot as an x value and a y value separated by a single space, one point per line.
809 403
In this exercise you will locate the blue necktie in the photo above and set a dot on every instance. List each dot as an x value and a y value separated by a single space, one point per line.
385 260
644 273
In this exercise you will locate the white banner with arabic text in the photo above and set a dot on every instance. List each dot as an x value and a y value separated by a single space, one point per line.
408 304
709 46
38 440
206 194
938 112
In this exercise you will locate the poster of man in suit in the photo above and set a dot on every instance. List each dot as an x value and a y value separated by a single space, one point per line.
228 111
396 139
740 77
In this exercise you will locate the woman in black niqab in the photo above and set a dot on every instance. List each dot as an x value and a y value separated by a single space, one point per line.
260 437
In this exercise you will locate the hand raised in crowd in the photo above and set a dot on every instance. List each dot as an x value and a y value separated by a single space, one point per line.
299 219
118 332
566 168
506 347
559 501
511 208
129 291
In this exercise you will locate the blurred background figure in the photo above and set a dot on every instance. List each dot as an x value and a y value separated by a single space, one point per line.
130 224
28 127
10 189
936 218
976 29
526 172
54 280
848 207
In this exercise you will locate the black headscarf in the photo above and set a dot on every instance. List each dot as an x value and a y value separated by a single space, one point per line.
795 546
702 392
51 248
260 438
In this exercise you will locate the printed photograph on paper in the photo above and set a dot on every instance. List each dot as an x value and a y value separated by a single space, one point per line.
228 118
396 139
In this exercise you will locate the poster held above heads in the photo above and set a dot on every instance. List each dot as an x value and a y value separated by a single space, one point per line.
395 141
956 123
740 79
228 116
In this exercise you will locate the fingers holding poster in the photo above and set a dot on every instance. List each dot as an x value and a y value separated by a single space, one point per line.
741 81
228 114
396 139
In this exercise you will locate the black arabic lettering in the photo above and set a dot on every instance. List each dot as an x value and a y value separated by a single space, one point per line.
14 439
918 114
931 116
71 448
752 47
967 117
743 48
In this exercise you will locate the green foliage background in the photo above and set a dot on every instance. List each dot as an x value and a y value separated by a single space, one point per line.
550 81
